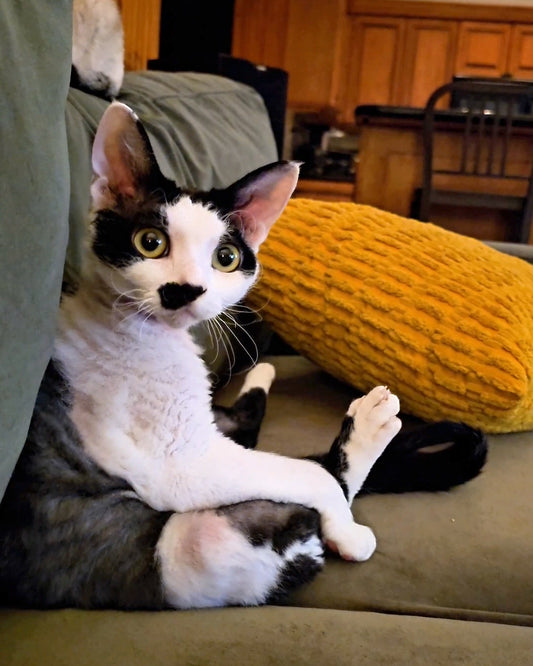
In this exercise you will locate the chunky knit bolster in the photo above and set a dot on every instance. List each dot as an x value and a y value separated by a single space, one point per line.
373 298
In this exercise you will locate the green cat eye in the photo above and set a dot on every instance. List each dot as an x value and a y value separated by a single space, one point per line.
226 258
150 242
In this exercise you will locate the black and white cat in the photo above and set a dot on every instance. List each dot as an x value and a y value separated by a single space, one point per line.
127 493
97 47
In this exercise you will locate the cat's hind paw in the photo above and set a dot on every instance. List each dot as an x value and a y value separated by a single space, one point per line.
375 420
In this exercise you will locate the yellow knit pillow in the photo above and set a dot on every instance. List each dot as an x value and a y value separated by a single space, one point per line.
373 298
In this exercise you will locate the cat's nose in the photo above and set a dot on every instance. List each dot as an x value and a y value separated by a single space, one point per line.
174 296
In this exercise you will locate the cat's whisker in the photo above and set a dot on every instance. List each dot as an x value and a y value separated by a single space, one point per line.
141 329
237 324
266 302
226 344
141 308
232 332
213 339
245 310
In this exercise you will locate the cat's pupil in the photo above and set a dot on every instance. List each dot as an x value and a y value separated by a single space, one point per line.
226 255
150 241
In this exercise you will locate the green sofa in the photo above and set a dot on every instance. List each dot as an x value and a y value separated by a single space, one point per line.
451 581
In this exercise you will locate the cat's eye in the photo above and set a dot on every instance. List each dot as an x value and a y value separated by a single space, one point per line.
150 242
226 258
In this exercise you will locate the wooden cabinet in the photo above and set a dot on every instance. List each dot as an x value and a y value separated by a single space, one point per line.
521 55
313 45
141 20
302 36
428 59
373 62
482 49
345 53
260 31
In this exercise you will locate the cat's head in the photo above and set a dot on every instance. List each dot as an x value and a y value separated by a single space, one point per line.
180 257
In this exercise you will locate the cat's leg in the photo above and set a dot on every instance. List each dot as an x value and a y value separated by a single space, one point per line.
242 421
246 554
368 426
219 472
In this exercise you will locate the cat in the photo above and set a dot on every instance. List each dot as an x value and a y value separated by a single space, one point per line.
97 48
127 494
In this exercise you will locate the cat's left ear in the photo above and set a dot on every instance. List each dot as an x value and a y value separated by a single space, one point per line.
123 160
258 199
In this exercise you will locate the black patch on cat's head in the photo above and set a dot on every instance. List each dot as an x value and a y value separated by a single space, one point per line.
248 263
112 235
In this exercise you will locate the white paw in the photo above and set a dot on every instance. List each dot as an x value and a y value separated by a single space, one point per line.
261 377
356 543
375 420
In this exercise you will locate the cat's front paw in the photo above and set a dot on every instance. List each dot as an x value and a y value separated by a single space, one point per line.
261 376
356 543
374 418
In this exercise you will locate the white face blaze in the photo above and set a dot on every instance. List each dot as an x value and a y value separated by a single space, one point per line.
194 233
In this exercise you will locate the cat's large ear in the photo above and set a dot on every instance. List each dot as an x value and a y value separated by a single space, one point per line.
258 199
123 161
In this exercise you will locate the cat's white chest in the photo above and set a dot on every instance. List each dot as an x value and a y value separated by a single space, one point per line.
137 399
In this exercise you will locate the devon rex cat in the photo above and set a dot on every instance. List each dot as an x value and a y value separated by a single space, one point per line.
127 494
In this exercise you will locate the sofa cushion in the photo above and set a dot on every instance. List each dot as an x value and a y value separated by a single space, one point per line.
254 636
465 553
445 321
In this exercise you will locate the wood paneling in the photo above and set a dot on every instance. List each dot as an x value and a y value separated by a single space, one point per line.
141 19
461 11
344 53
521 54
260 31
373 65
428 59
482 49
313 49
303 37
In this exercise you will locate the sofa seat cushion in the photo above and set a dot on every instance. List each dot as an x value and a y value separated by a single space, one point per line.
254 636
445 321
464 553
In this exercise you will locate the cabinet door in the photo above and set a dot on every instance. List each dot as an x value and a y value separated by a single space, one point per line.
428 59
314 30
482 49
521 54
260 31
140 19
374 52
300 36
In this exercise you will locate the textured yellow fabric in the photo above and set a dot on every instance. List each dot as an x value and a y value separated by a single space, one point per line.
373 298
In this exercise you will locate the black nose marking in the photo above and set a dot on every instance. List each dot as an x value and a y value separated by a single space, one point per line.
174 296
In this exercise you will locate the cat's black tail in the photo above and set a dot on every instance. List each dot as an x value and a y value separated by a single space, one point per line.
432 457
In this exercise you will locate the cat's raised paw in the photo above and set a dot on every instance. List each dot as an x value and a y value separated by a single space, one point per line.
374 417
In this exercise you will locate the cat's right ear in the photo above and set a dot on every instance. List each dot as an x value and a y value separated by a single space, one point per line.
123 162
